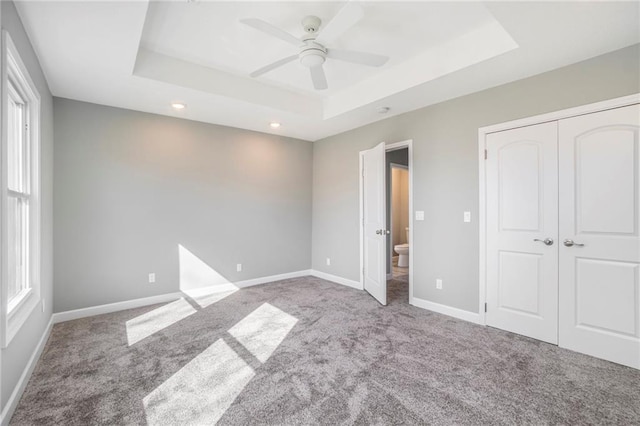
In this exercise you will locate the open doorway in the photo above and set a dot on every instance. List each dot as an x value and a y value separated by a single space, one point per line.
397 206
377 248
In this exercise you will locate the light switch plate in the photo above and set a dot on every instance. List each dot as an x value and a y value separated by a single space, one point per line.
419 215
328 261
467 216
439 284
239 267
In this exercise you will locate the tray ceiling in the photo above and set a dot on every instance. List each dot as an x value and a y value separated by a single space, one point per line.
144 55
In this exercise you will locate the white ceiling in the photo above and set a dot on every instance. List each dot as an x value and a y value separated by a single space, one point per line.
143 56
209 34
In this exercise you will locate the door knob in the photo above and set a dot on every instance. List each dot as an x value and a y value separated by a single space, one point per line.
571 243
546 241
378 231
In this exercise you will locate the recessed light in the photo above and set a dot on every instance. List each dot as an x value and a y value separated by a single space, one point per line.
274 124
178 105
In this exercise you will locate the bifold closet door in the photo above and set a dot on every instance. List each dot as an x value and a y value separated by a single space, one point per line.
522 231
599 297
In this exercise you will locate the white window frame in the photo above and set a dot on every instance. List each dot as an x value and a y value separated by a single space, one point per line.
14 315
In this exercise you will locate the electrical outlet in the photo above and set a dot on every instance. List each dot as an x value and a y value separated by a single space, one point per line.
439 284
467 216
328 261
152 277
239 267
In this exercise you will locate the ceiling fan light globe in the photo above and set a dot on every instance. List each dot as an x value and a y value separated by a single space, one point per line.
311 59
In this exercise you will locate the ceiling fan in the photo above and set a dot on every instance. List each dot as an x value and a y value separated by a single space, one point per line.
312 46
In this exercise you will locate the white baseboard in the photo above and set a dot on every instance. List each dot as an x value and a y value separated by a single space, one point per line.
271 278
163 298
114 307
12 403
336 279
446 310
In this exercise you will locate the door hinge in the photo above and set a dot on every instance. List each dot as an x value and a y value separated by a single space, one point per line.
485 306
485 154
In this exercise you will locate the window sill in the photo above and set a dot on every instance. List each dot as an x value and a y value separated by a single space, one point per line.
18 315
18 301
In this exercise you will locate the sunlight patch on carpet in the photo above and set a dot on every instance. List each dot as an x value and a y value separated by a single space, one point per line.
263 330
158 319
201 391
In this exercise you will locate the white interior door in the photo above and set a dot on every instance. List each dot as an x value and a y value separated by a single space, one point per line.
522 213
374 212
599 211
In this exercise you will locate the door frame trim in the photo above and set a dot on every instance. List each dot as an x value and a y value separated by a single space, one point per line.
389 147
482 193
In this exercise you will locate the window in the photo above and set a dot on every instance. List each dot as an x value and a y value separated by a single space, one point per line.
18 169
20 206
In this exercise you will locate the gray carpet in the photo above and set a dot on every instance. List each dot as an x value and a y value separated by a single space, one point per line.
306 351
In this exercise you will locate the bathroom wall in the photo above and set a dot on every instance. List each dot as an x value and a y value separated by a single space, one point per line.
399 206
398 156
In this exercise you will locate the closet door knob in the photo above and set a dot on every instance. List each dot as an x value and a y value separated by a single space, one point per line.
546 241
571 243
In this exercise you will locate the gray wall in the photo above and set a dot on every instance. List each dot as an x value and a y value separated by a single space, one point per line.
445 154
399 156
15 357
131 187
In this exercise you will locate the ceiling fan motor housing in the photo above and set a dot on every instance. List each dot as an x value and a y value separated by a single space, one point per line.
311 24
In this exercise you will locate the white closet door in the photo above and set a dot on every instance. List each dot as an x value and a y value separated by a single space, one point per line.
522 207
599 211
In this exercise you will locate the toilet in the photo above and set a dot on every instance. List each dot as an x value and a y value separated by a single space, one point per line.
403 252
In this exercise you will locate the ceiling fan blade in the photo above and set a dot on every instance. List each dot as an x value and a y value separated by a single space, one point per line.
347 17
272 30
318 78
274 65
364 58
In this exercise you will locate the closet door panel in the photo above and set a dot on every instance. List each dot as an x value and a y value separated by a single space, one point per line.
599 159
522 211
